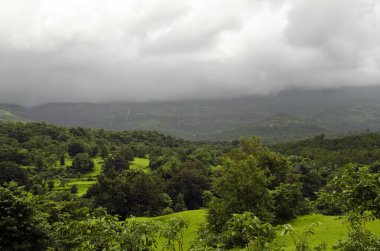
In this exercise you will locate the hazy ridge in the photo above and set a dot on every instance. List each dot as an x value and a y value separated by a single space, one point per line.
288 115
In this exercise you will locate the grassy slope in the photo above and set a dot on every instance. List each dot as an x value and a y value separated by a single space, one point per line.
140 164
85 181
194 217
331 229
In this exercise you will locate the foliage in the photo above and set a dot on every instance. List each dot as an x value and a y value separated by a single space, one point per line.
100 231
82 163
356 189
22 226
301 241
252 178
75 147
187 184
173 232
287 198
130 193
246 229
10 171
359 238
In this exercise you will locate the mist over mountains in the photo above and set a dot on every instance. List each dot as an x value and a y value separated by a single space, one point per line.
288 115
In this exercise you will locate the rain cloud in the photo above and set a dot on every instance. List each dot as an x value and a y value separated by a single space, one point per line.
139 50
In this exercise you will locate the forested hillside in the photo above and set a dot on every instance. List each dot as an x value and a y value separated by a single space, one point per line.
78 188
286 116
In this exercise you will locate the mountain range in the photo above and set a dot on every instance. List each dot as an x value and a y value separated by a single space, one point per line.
288 115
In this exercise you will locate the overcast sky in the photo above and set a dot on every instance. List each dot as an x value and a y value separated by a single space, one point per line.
97 50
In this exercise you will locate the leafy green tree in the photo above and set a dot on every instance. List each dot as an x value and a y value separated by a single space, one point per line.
10 171
62 160
252 178
119 160
356 189
22 226
129 193
242 186
50 185
75 147
82 163
179 203
127 153
190 180
74 189
287 201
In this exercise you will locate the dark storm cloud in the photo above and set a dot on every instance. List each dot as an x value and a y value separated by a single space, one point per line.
86 50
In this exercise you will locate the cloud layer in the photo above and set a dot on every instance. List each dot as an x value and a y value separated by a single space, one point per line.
93 50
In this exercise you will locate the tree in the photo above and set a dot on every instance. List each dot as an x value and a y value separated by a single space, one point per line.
74 189
75 148
82 163
242 186
119 160
356 190
190 180
22 226
287 198
179 203
10 171
127 153
130 193
246 181
62 160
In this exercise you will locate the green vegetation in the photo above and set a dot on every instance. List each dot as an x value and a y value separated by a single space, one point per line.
331 229
80 189
195 218
140 164
84 181
288 116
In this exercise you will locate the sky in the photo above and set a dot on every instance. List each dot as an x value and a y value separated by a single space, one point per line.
140 50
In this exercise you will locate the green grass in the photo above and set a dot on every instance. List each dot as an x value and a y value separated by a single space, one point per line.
85 181
140 164
331 229
194 217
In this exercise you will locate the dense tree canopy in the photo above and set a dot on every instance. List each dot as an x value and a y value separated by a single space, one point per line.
149 174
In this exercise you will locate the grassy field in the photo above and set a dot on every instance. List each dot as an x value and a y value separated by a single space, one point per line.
140 164
331 228
194 217
85 181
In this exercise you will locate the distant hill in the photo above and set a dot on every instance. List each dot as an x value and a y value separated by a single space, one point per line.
288 115
11 112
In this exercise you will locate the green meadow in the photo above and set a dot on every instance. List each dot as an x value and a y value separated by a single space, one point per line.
194 218
329 231
85 181
139 164
331 228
